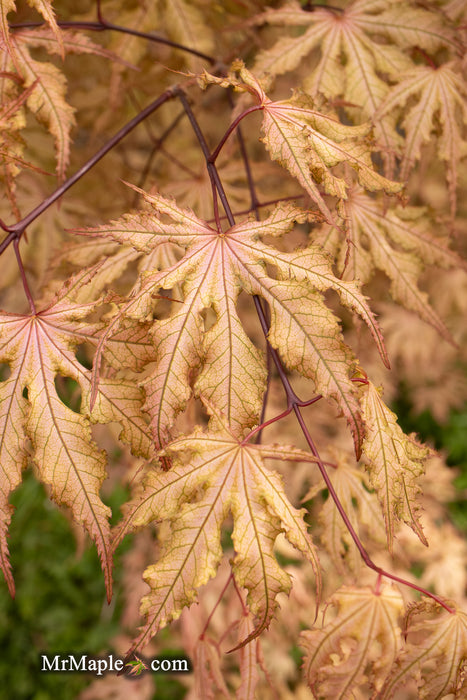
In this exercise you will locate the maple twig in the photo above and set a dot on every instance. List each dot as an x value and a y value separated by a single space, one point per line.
310 6
232 127
240 597
292 398
259 205
221 595
157 142
254 207
103 25
266 393
22 272
16 230
295 406
259 428
212 170
426 56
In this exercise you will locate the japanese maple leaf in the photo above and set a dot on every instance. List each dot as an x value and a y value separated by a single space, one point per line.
218 358
47 101
358 646
309 143
435 654
12 120
44 7
38 348
433 100
353 33
396 240
348 58
213 474
185 23
395 461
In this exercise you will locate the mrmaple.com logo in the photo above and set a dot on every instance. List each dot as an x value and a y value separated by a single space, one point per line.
69 663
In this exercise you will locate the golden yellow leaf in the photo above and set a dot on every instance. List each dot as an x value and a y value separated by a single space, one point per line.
212 475
394 461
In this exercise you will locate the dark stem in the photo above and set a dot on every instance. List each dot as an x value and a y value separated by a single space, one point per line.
259 205
259 428
426 56
27 291
102 25
254 207
158 147
221 595
310 6
231 129
212 170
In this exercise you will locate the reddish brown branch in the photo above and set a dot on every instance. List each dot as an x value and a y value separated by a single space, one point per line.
16 230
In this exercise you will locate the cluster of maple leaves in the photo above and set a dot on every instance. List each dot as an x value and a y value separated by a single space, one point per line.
226 284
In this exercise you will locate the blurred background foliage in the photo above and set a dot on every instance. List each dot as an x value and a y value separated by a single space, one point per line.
60 604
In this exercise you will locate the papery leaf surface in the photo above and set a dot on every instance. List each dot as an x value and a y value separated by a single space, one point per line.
356 648
48 100
213 475
361 505
435 654
397 241
217 265
433 99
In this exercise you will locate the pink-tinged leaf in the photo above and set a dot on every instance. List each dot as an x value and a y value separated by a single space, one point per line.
434 655
44 7
70 41
309 144
358 647
397 241
37 348
65 456
361 505
208 672
249 662
432 99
